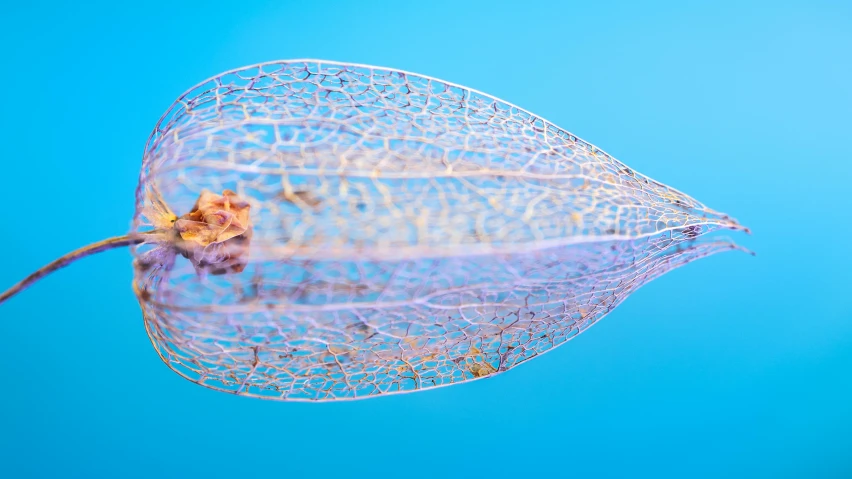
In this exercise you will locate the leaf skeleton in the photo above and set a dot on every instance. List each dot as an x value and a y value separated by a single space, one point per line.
306 229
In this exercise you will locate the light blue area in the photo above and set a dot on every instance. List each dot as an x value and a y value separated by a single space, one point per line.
730 367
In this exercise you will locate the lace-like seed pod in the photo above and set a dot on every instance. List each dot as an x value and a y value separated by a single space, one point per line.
351 231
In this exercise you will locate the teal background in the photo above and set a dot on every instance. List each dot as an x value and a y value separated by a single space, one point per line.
730 367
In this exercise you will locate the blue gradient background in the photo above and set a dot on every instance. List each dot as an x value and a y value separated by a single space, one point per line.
730 367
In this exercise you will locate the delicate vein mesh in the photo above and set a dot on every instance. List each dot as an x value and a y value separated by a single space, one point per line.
407 233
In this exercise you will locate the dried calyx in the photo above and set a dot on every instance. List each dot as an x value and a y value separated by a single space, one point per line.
214 235
214 219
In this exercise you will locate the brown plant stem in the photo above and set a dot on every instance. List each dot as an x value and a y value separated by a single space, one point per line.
94 248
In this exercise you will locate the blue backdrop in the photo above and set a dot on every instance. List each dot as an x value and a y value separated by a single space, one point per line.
730 367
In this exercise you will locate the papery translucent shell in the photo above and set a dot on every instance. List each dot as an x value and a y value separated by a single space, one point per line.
406 233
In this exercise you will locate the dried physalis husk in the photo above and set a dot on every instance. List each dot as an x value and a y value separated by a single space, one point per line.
381 232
